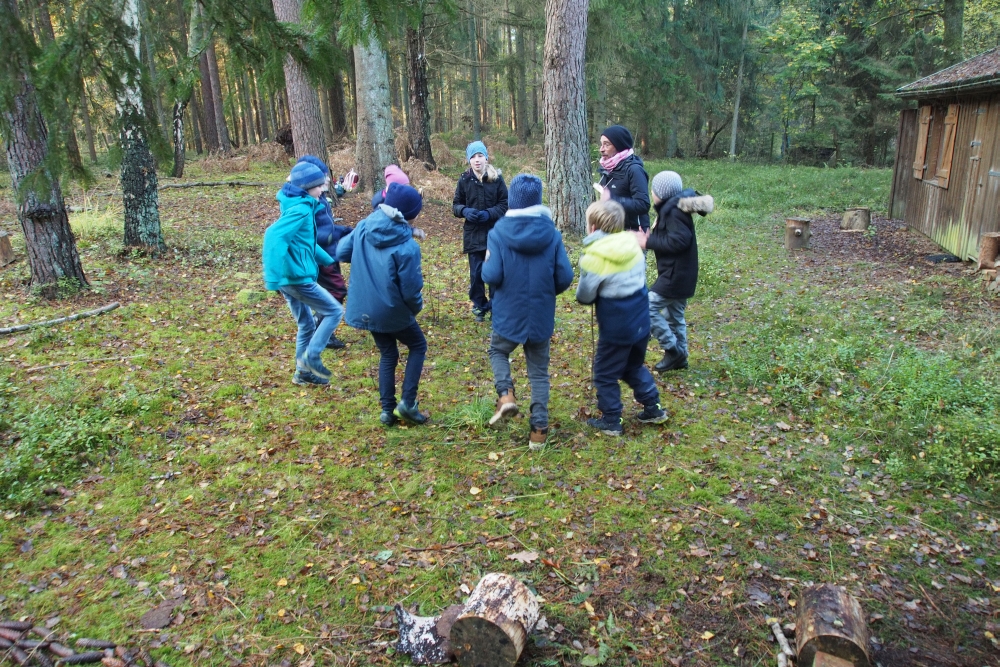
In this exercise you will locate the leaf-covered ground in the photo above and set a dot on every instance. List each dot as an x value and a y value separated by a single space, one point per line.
837 424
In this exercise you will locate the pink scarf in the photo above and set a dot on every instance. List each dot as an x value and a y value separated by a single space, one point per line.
609 163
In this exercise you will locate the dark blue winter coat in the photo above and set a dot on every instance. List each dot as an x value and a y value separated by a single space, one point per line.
328 232
385 292
527 267
629 185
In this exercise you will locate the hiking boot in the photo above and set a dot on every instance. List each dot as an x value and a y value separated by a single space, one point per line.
335 343
653 414
388 418
672 361
305 378
480 315
537 437
606 425
314 366
410 414
506 407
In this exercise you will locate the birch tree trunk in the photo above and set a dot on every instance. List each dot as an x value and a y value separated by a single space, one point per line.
51 248
565 113
303 102
376 146
419 116
138 172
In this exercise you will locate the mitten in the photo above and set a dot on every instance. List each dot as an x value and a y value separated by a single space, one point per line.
469 214
482 216
419 234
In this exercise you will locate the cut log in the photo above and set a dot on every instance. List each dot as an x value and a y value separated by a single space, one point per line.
6 251
494 627
830 621
425 638
797 233
856 219
989 248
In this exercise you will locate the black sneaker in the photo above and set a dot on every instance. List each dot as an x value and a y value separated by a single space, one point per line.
653 414
479 314
388 419
305 378
606 425
410 414
335 343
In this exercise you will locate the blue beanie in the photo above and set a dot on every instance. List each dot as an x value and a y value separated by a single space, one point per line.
405 199
312 159
619 137
524 191
306 176
475 147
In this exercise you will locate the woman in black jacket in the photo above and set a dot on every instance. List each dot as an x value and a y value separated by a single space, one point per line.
623 177
480 198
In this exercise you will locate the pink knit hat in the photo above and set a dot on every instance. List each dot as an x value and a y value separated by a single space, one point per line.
394 174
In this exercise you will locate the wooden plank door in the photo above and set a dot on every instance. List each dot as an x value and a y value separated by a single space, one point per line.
982 198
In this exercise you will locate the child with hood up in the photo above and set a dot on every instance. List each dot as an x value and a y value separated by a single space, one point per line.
292 259
385 296
527 266
480 198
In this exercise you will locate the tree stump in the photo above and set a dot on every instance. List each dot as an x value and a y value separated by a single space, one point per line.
856 219
989 248
830 623
797 233
6 251
494 627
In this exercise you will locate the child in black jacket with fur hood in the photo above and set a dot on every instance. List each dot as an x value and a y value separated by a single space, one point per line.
480 198
673 242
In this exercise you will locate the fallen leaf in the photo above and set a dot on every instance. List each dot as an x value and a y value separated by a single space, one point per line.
700 553
282 582
782 426
707 635
524 556
475 490
589 607
300 649
493 456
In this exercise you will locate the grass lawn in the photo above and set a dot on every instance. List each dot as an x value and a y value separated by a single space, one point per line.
837 424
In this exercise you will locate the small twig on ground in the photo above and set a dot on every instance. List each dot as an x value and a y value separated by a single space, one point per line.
235 607
782 641
83 361
212 184
68 318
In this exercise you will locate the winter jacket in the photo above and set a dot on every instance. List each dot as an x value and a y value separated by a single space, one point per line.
328 234
291 255
629 185
526 268
483 196
613 274
672 239
386 283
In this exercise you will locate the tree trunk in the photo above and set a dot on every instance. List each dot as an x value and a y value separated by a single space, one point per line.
521 99
307 123
44 24
262 114
376 146
830 621
419 115
87 127
178 135
477 130
564 116
954 15
338 118
194 113
208 103
138 171
739 90
51 248
494 625
217 103
989 248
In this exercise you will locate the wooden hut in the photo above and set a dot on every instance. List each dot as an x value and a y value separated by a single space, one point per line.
946 182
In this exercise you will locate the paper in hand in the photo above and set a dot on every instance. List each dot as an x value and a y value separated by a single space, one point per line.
600 190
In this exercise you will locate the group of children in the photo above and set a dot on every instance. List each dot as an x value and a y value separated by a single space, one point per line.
515 250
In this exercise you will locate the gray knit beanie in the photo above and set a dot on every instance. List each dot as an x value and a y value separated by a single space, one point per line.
667 184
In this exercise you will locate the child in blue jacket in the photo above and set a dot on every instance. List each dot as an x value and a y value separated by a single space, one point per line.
526 265
613 276
291 266
385 294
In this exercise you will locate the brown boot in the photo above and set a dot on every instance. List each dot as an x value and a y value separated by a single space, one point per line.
506 407
536 440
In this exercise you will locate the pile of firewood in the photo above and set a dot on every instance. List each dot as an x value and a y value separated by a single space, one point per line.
17 647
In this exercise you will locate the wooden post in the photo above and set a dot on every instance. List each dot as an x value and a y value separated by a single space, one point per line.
6 251
856 219
830 623
494 627
989 248
797 233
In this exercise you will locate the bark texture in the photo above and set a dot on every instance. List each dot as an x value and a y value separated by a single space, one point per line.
494 625
831 621
419 115
303 101
208 104
565 113
220 114
178 135
376 140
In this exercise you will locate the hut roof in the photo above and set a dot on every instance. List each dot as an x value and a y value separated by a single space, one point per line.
979 73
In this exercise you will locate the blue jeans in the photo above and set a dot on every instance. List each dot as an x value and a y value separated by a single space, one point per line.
477 288
313 336
667 325
622 362
413 338
537 356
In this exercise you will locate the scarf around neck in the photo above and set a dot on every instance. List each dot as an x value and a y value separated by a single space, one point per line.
609 163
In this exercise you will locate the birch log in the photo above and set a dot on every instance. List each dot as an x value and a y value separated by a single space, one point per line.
494 627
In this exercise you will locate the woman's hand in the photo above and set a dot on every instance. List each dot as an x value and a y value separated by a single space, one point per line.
605 194
641 237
